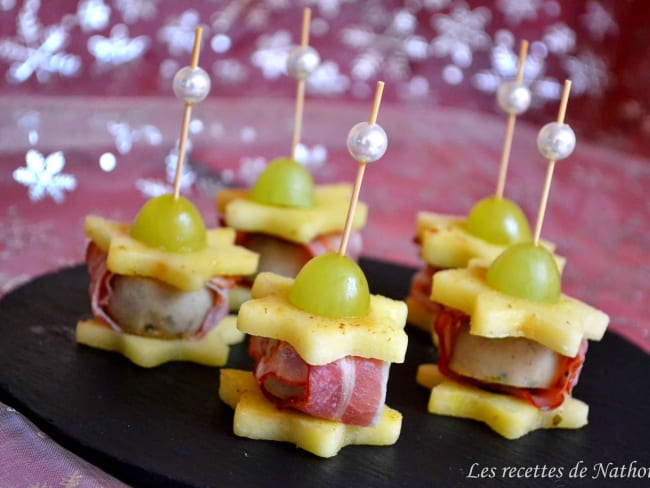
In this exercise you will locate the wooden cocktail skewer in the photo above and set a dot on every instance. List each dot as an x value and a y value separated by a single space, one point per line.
300 86
510 127
190 99
554 133
361 131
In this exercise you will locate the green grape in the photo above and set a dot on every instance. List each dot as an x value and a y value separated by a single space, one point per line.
527 271
499 221
174 225
286 183
331 285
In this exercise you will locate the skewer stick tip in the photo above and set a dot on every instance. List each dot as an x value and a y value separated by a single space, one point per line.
510 127
198 33
194 63
523 52
551 166
306 21
300 86
564 100
376 103
354 199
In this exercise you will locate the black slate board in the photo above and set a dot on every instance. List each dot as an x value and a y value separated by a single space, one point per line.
167 427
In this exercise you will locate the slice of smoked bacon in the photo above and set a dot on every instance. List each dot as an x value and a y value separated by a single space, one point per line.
351 389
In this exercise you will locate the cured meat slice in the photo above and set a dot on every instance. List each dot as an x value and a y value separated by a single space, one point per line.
448 325
332 241
351 390
420 290
287 258
101 289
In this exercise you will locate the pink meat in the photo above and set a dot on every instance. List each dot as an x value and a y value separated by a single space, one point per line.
420 291
447 327
100 293
320 245
331 242
351 390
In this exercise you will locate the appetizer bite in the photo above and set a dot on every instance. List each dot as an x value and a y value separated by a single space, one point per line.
321 346
159 287
450 241
511 345
285 233
285 217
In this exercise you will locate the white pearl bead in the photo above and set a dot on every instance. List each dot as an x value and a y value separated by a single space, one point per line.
556 141
191 85
302 62
367 143
514 98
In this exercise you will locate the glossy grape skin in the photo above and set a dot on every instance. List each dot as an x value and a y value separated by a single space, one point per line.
526 271
331 285
498 221
173 225
284 182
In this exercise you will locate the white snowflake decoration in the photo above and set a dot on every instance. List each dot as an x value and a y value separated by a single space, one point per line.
546 89
312 158
230 71
93 15
7 4
328 8
134 10
251 168
272 53
224 19
560 38
125 135
417 87
460 34
37 50
168 68
43 177
391 50
328 80
220 43
118 48
152 188
248 134
179 33
188 176
598 21
588 73
504 59
252 15
517 11
436 4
